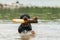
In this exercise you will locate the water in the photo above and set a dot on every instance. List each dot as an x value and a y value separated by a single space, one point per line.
44 31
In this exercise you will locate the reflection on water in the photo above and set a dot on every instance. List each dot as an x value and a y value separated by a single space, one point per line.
25 37
43 30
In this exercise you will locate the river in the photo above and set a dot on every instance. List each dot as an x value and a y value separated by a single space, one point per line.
44 31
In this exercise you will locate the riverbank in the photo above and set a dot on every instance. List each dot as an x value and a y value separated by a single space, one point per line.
46 13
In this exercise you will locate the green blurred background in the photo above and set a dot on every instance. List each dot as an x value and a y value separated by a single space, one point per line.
46 13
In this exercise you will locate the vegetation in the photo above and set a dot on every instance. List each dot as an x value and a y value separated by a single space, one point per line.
45 13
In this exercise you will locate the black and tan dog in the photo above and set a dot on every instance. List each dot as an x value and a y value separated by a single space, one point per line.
26 25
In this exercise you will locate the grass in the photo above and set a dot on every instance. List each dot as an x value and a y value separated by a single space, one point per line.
45 13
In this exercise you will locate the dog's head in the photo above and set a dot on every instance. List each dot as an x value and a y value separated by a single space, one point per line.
25 18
